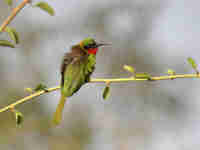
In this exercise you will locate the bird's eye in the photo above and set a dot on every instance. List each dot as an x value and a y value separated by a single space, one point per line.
86 46
92 45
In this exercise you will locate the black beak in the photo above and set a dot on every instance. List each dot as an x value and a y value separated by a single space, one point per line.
102 44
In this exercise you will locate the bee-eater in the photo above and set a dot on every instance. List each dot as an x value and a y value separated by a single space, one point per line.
76 68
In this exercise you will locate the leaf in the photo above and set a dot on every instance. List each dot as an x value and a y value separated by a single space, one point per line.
192 63
106 92
13 34
6 43
129 68
171 72
9 2
29 90
40 87
143 76
19 117
46 7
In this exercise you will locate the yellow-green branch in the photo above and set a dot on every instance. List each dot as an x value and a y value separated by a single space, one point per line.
146 79
115 80
23 100
14 12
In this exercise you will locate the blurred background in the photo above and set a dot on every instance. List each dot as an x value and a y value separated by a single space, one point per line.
152 36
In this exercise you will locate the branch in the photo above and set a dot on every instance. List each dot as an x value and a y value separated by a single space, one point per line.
115 80
14 12
169 77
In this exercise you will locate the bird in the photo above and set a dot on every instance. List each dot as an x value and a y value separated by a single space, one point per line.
76 69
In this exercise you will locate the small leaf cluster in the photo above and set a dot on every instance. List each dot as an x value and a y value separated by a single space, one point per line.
45 7
135 74
170 72
42 5
19 117
130 69
192 62
13 34
106 92
39 87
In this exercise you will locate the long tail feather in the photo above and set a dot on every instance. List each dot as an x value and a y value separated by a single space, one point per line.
58 114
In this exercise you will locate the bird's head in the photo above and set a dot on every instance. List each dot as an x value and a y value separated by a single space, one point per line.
90 45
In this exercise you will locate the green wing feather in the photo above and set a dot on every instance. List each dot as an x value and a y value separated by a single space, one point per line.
76 74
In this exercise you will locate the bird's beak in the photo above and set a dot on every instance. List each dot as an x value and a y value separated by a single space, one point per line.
102 44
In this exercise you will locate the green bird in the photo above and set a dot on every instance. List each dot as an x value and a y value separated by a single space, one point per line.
76 68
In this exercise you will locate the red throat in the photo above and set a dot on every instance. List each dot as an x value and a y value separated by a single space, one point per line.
93 51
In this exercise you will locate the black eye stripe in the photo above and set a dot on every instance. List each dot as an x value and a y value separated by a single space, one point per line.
92 45
86 46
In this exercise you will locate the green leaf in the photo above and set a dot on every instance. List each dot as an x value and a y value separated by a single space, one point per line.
40 87
29 90
106 92
192 63
171 72
13 34
18 117
46 7
129 68
9 2
6 43
143 76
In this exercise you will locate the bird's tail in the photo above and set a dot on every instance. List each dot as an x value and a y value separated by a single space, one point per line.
58 114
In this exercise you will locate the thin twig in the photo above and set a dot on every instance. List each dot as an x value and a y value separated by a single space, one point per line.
146 79
115 80
14 12
25 99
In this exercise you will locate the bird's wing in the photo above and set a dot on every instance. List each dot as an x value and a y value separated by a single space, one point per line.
67 59
74 75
